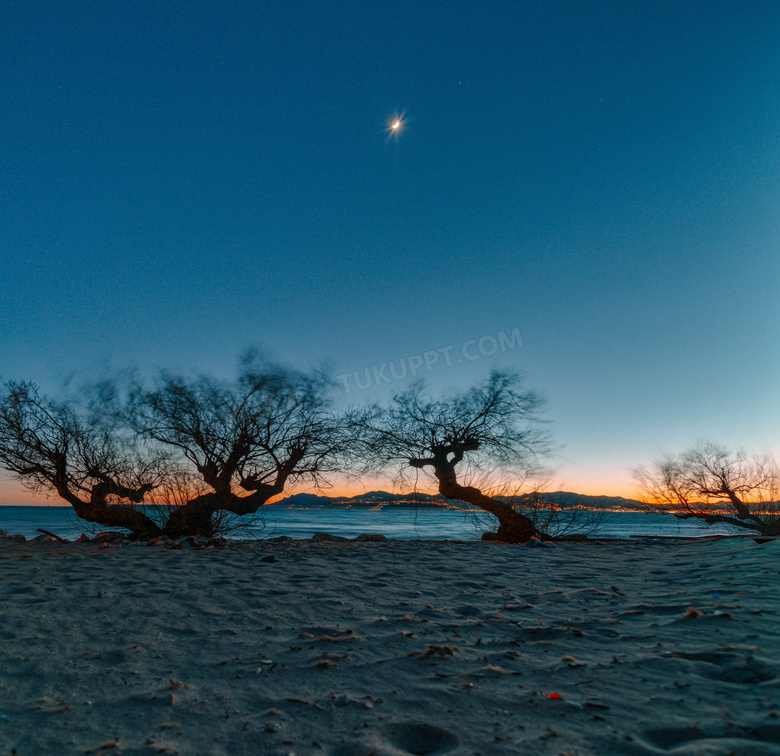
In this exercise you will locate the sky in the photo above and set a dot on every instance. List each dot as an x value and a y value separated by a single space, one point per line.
586 192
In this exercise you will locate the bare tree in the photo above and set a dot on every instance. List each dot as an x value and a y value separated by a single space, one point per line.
485 429
245 439
63 448
184 456
713 484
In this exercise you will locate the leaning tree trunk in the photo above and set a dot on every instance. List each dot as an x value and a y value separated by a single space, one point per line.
197 516
765 526
200 516
99 511
513 527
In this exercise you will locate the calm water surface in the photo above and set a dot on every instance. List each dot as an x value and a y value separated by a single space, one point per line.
410 524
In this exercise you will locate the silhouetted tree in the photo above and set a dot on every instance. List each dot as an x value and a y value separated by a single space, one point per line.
62 447
487 427
182 456
715 485
245 439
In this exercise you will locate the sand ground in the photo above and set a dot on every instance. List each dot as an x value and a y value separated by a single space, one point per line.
390 648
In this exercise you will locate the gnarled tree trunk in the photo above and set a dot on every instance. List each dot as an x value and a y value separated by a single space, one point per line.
99 511
513 527
196 517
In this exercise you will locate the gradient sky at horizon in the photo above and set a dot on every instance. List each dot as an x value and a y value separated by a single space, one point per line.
182 180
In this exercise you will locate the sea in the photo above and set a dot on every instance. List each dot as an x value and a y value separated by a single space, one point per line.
392 522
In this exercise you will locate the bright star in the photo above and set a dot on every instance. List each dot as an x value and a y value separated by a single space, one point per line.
395 125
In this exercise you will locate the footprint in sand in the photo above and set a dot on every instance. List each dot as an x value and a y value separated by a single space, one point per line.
469 610
718 739
404 739
731 667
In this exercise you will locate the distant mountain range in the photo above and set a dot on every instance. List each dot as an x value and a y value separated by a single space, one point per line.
370 500
382 499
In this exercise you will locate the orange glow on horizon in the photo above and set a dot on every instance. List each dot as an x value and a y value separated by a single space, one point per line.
13 494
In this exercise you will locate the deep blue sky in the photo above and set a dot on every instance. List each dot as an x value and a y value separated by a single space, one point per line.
179 180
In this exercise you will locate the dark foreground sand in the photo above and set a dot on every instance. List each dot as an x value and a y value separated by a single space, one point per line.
391 648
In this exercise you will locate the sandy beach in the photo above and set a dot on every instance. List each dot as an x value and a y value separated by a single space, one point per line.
390 648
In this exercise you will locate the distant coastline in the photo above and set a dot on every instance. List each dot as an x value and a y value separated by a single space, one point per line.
377 500
383 499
